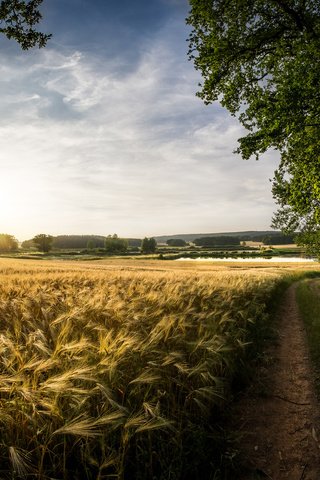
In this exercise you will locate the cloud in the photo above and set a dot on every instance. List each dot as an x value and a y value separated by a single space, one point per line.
88 148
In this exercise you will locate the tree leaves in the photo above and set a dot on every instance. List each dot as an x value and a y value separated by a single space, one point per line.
261 59
18 19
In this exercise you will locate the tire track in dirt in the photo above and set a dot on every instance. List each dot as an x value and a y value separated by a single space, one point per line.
279 425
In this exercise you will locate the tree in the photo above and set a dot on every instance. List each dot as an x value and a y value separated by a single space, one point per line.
149 245
43 242
91 245
114 244
18 20
261 60
8 243
27 244
312 241
176 242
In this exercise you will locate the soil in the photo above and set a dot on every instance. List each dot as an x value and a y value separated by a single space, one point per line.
278 419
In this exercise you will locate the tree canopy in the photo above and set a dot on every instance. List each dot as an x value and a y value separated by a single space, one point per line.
78 241
148 245
43 242
114 244
18 21
261 60
176 242
216 241
8 243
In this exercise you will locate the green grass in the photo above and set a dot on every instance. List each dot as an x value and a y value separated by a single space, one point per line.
308 298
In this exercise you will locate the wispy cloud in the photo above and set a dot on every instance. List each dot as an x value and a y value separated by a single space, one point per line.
87 147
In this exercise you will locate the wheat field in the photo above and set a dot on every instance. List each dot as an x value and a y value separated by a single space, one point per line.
111 371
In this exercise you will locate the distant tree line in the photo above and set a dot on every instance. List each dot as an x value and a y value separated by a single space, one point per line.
234 240
111 244
65 242
176 242
78 241
277 239
216 241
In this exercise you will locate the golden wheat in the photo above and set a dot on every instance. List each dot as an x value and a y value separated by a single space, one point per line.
105 371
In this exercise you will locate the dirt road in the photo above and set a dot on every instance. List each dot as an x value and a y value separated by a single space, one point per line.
279 419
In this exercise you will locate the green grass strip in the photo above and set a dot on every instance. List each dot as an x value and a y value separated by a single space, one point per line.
308 298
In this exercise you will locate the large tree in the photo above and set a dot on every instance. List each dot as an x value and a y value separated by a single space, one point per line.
261 60
114 244
18 21
148 245
8 243
43 242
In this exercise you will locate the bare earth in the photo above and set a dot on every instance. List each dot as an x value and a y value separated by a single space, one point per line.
280 424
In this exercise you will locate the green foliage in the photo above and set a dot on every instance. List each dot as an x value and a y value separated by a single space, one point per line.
27 244
77 241
149 245
312 242
91 244
114 244
261 60
296 185
278 239
176 242
43 242
308 297
18 19
213 241
65 242
8 243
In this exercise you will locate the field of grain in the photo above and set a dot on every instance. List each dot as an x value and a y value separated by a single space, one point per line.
113 370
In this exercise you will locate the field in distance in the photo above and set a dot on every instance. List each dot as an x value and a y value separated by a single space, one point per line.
123 368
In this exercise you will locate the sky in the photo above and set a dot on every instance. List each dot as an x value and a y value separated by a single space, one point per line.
101 132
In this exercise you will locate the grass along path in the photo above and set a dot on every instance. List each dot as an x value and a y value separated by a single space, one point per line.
278 421
308 297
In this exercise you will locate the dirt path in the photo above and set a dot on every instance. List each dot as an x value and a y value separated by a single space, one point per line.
280 422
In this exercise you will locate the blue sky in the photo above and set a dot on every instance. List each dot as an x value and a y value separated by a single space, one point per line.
101 131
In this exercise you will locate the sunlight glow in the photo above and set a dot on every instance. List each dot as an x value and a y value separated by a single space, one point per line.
11 196
19 204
